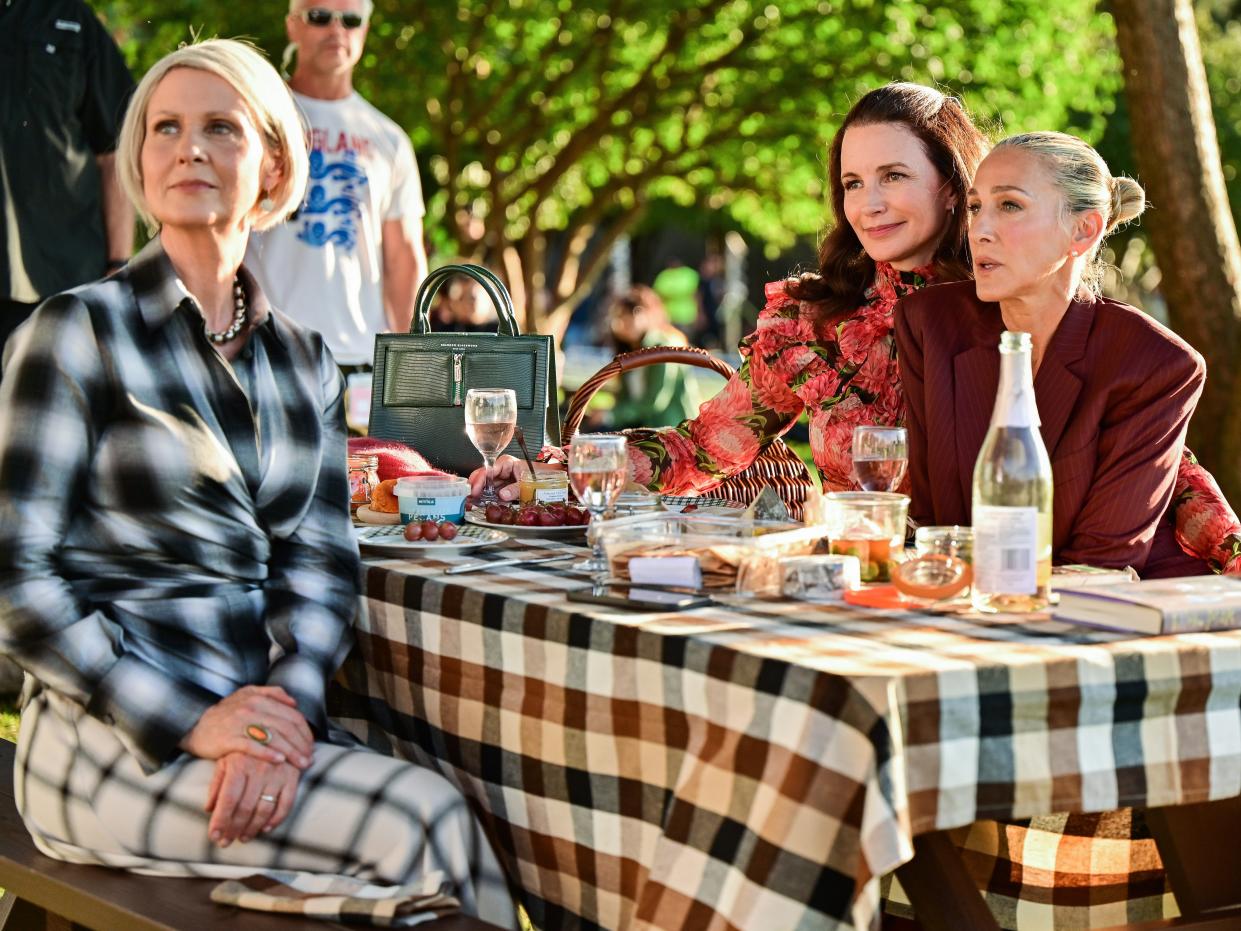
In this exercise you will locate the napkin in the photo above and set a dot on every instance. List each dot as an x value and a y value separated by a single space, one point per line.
340 898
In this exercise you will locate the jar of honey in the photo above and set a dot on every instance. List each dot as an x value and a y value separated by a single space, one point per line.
543 487
363 476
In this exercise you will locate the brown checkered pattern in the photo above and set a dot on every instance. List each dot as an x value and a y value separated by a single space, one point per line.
761 764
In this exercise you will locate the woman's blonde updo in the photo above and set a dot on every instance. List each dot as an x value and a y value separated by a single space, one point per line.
1084 181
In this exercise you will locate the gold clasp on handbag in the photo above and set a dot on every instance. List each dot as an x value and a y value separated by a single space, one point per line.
458 396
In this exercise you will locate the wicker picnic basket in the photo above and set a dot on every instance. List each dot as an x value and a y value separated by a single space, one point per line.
776 467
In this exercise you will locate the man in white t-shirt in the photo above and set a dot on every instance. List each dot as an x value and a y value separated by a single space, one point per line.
350 260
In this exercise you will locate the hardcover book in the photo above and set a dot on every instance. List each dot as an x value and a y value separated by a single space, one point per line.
1156 606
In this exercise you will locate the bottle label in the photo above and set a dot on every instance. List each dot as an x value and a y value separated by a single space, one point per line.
1005 550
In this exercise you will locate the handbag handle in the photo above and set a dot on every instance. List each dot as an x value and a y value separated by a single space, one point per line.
485 279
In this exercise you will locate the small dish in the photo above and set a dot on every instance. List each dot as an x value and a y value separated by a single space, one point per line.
392 539
563 530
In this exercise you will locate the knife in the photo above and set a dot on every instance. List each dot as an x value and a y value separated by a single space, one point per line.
501 563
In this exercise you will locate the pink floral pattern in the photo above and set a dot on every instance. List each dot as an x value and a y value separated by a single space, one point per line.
1206 526
840 376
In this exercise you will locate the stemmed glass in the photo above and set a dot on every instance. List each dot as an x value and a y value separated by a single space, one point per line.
490 416
880 456
597 469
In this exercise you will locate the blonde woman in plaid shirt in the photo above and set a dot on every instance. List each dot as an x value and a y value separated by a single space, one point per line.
180 573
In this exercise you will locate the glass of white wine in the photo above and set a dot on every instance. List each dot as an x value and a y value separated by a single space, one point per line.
597 468
880 457
490 416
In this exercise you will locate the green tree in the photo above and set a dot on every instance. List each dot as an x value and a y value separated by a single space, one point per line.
1193 230
545 128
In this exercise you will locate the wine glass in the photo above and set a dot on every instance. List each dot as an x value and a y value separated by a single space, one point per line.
880 456
597 468
490 416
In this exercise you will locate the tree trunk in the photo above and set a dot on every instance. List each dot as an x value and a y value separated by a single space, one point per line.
1192 230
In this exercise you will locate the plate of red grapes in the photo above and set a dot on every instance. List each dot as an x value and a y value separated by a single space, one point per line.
531 520
426 535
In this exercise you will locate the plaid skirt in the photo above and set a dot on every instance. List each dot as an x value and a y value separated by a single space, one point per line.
85 799
1061 871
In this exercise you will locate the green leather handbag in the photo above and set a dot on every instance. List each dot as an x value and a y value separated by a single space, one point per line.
420 378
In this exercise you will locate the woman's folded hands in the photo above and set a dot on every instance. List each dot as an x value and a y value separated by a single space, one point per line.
249 796
259 720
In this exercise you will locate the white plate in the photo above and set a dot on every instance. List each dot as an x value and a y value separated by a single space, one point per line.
564 530
392 539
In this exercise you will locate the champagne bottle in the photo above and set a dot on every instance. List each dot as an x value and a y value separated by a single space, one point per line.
1012 494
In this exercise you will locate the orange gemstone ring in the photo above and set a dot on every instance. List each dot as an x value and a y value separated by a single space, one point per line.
259 733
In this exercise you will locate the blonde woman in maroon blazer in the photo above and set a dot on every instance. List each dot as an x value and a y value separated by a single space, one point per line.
1115 392
1115 389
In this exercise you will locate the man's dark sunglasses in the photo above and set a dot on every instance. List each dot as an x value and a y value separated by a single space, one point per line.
317 16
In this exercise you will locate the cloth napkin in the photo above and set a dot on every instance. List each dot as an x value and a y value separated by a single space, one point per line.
340 898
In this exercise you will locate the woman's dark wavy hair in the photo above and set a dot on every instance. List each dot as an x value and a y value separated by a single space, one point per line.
953 144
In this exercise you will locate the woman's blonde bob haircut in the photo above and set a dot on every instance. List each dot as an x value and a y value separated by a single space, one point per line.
265 94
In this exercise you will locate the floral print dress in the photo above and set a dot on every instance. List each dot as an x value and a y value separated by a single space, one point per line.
840 375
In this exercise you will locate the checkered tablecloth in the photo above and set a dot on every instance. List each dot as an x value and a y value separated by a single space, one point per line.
760 764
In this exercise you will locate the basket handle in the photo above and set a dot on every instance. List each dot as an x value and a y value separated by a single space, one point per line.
628 361
485 278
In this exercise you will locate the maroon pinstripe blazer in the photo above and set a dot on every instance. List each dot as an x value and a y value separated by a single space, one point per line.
1115 391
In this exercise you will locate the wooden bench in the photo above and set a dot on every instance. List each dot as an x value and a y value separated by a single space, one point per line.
41 893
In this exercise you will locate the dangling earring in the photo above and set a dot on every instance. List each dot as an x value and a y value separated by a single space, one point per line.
267 205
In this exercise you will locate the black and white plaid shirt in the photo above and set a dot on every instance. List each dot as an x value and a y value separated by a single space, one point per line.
173 527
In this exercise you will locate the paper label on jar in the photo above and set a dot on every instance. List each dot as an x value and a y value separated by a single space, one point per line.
551 495
1005 550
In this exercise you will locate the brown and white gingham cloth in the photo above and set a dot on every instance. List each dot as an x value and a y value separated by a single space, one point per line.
760 765
340 898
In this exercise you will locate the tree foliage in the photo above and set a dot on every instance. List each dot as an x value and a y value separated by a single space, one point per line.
545 128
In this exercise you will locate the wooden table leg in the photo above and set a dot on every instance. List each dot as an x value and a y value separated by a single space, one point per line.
943 894
1200 846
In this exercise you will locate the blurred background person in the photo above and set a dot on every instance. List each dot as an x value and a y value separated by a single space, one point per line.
712 291
349 261
655 395
63 88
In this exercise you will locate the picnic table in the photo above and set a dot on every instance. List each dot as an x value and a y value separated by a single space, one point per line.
760 764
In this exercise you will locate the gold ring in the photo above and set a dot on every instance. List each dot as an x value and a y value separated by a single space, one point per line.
258 733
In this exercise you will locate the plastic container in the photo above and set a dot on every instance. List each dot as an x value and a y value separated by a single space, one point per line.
432 498
733 554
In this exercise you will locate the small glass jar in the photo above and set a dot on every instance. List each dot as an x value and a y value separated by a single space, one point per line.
363 476
945 541
550 487
630 503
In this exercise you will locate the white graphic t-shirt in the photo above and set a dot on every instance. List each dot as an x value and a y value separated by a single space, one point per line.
323 267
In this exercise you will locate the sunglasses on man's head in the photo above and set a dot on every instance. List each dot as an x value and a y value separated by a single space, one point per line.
317 16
